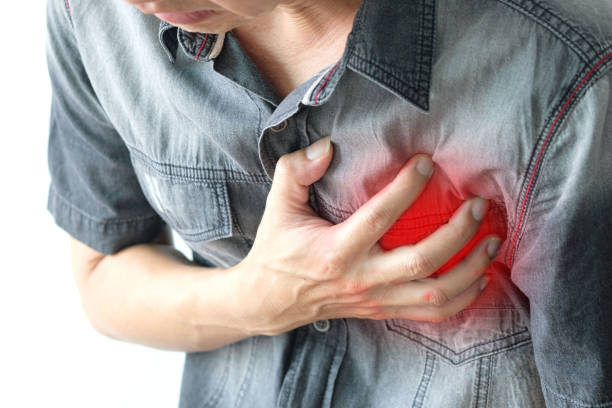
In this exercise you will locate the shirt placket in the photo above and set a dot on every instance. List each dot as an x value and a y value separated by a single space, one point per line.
317 356
320 347
285 130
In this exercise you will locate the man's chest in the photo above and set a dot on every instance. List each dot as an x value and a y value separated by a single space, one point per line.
205 160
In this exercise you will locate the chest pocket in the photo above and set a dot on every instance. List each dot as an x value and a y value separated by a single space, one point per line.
196 207
489 326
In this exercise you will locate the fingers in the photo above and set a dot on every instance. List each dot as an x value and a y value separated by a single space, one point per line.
440 290
450 284
296 171
424 258
436 249
438 313
366 225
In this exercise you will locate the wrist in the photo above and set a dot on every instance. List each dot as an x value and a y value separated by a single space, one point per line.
218 299
239 299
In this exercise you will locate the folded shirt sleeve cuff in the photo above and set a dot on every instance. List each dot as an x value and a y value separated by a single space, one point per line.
105 236
557 400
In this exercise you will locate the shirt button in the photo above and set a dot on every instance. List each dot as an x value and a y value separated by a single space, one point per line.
280 127
322 326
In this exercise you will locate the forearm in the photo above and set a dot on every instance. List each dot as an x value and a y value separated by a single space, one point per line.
151 295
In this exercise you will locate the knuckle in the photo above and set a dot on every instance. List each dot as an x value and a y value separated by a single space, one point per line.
283 166
377 219
436 297
332 266
417 264
353 287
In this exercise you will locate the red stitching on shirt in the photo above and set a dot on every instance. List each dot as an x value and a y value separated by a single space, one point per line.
316 100
550 132
68 7
201 47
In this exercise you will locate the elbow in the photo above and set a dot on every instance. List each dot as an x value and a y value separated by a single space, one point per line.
91 302
87 273
95 320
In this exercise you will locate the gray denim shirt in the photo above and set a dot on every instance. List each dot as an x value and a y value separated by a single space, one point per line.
154 126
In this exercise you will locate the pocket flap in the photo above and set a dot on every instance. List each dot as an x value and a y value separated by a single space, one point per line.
198 210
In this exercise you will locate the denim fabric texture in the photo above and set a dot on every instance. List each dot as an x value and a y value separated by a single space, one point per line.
154 126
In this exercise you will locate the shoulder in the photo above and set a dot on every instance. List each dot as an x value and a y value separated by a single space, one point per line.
108 35
102 20
583 26
591 17
551 29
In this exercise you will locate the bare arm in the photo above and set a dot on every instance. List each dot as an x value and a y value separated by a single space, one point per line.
301 269
152 295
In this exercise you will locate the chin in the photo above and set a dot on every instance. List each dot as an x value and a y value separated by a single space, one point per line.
217 25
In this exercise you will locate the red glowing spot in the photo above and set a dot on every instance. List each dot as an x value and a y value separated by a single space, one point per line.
434 208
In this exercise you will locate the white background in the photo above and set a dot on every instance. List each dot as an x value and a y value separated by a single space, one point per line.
49 354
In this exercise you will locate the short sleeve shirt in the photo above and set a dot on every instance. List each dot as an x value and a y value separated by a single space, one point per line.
154 126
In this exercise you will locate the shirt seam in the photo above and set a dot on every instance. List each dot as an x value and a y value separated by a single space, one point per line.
575 402
88 217
581 51
424 67
201 174
384 67
396 323
523 194
593 73
414 87
68 10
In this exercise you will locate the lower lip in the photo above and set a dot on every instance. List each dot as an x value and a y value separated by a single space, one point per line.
185 18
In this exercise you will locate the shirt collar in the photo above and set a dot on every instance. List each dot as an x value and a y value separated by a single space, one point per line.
391 44
198 46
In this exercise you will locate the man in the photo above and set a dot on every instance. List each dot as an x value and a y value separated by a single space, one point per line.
187 119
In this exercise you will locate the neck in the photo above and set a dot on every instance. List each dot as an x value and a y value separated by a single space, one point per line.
297 39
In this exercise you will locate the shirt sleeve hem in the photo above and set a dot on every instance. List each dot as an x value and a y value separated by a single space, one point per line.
105 236
555 399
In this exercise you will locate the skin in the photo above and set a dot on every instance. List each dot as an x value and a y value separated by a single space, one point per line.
289 41
301 268
229 14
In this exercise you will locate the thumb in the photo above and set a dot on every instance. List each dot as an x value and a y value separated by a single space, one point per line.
296 171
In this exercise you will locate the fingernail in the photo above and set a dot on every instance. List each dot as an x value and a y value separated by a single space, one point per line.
493 247
479 207
483 282
318 149
425 166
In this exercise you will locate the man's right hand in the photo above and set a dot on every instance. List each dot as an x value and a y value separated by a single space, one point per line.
303 268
